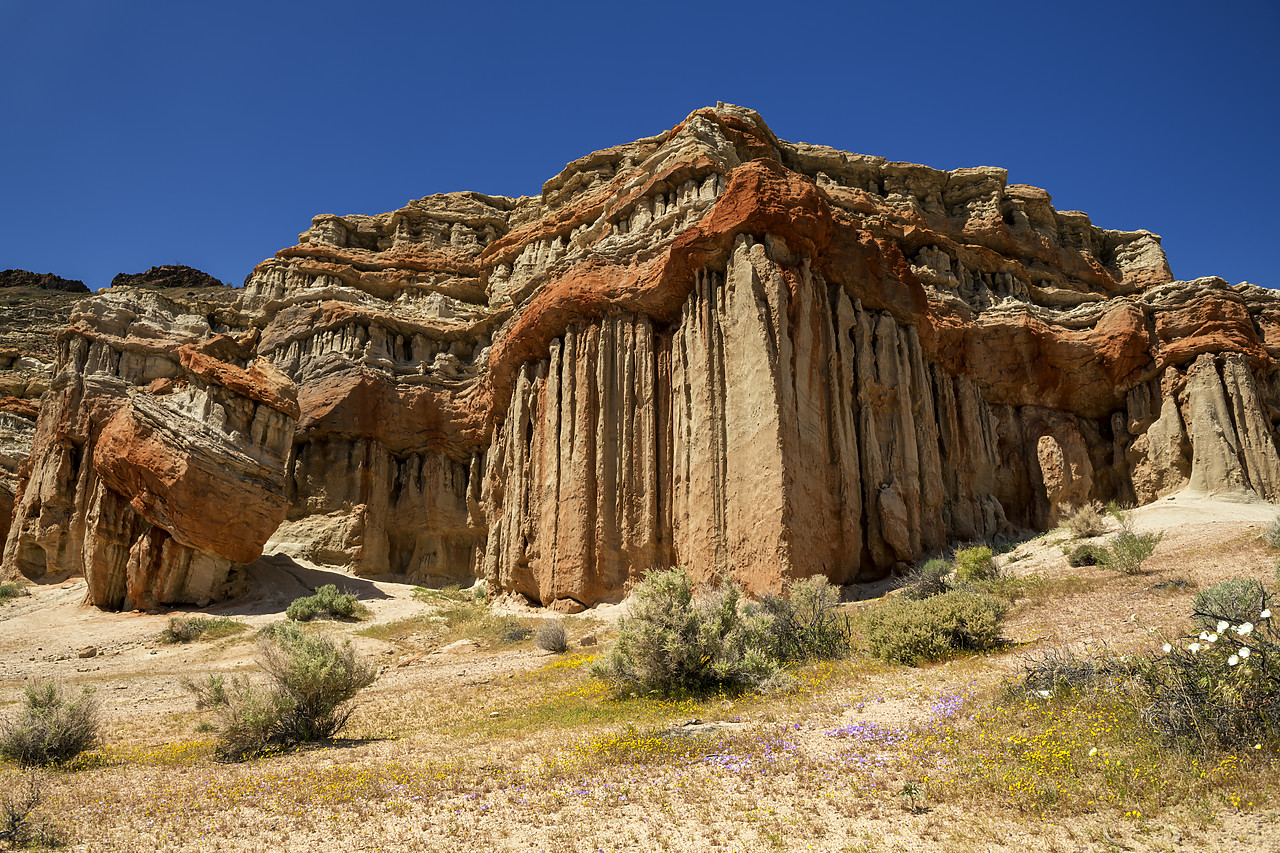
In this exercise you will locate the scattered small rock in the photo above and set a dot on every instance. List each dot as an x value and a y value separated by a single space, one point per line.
588 640
88 652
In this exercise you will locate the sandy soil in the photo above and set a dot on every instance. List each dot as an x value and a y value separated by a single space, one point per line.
52 634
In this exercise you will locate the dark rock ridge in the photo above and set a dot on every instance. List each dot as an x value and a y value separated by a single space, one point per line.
709 348
168 275
41 281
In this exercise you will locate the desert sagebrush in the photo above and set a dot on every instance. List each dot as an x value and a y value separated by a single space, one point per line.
51 726
311 681
671 641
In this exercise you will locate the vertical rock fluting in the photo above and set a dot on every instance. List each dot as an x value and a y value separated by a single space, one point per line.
573 470
777 429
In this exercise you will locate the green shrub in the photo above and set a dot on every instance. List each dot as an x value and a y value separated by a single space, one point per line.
10 590
909 632
51 727
311 682
302 609
1087 521
551 637
975 564
670 642
1087 554
807 624
327 601
185 629
1126 551
1234 600
928 580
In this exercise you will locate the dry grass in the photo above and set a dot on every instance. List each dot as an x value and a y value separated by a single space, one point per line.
502 749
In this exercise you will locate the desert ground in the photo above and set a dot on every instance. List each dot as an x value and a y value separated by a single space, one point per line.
472 739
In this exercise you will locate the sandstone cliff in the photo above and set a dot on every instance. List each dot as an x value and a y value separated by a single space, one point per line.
34 307
712 348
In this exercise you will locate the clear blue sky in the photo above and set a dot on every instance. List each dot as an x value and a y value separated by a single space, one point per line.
141 133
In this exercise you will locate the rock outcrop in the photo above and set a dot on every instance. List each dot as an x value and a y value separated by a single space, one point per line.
40 281
157 465
167 276
757 359
34 308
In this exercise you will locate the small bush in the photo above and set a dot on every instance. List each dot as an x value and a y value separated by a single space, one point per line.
302 609
909 632
975 564
327 601
16 828
1059 669
311 681
1087 554
512 631
807 624
185 629
1234 600
51 726
10 590
928 580
1087 521
552 637
1126 551
670 642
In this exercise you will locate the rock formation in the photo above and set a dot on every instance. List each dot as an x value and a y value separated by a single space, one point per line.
40 281
168 275
34 307
710 348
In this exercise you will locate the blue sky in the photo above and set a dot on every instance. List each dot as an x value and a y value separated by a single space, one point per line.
143 133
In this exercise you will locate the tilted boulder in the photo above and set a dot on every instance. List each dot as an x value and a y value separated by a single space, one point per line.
158 463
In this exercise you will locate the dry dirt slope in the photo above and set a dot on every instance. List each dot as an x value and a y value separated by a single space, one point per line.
493 745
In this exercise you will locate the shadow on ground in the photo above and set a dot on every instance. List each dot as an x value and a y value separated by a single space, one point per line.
277 579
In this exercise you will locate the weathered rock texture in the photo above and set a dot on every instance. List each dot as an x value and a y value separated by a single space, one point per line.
34 307
712 348
157 465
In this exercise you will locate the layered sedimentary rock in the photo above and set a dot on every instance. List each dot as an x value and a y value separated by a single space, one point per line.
758 359
34 307
157 466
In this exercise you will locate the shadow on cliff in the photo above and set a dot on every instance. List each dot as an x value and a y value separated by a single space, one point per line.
274 580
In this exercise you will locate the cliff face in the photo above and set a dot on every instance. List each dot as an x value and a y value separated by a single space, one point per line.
157 463
711 348
34 307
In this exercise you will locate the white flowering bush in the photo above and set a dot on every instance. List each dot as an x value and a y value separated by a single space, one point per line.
1221 687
